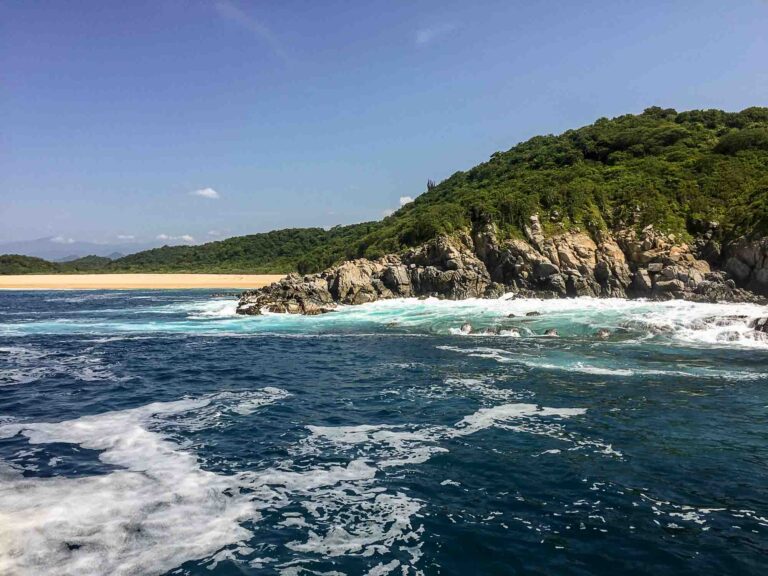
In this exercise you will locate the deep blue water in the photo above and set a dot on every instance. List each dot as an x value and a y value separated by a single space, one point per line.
157 432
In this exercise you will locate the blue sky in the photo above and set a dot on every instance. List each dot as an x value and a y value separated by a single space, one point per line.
113 114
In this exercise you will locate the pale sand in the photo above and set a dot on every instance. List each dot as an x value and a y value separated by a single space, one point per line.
134 281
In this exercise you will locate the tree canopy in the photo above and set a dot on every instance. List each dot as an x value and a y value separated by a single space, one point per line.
660 167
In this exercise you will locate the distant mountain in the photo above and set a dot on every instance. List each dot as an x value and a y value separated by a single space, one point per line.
68 258
57 249
671 169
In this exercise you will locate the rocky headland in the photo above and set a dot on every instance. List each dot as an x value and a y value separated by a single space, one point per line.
477 264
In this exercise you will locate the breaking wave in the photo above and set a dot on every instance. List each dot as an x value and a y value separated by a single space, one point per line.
678 323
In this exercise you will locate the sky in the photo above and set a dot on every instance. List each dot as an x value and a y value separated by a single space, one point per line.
185 121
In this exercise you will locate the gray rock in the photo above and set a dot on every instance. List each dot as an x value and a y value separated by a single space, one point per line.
760 325
572 263
738 269
642 282
667 286
544 269
603 334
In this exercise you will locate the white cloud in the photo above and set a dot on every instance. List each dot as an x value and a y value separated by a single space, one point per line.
403 201
126 237
182 237
206 193
429 33
62 240
214 233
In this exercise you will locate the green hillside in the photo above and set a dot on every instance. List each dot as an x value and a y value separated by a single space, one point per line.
661 167
16 264
271 252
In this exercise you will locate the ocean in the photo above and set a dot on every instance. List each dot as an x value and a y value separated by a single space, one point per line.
156 432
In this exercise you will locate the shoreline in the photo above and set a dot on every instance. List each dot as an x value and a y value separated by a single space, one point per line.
135 281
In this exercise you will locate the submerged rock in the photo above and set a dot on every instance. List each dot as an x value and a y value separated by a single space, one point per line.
551 333
760 325
603 334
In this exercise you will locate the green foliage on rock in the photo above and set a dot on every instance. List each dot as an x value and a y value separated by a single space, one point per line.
660 167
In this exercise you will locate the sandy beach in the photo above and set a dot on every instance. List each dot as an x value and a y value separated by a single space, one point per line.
134 281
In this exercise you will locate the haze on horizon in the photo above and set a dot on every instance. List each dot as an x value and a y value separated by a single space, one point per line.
185 121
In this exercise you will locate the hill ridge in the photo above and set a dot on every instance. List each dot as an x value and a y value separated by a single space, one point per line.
674 170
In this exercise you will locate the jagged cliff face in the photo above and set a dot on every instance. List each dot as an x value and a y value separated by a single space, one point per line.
626 263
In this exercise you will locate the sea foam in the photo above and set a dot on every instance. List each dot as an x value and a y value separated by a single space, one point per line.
158 510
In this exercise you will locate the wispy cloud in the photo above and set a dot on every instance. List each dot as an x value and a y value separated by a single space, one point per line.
209 193
126 237
230 11
182 237
214 233
428 34
62 240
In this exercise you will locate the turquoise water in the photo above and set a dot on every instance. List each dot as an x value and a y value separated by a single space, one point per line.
158 432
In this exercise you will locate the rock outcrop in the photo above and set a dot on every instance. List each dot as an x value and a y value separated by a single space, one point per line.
446 267
760 325
747 262
645 264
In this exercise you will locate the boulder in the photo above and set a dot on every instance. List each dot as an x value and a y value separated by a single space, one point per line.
666 286
398 280
293 295
641 283
760 325
747 261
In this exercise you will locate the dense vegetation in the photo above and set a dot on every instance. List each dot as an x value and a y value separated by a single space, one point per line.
271 252
16 264
661 167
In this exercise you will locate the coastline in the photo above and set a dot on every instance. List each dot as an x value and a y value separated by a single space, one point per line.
135 281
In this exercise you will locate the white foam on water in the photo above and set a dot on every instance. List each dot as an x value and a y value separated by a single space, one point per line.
679 323
683 323
382 569
483 387
24 365
570 363
488 417
394 445
215 308
161 508
375 521
89 297
157 511
701 516
369 529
